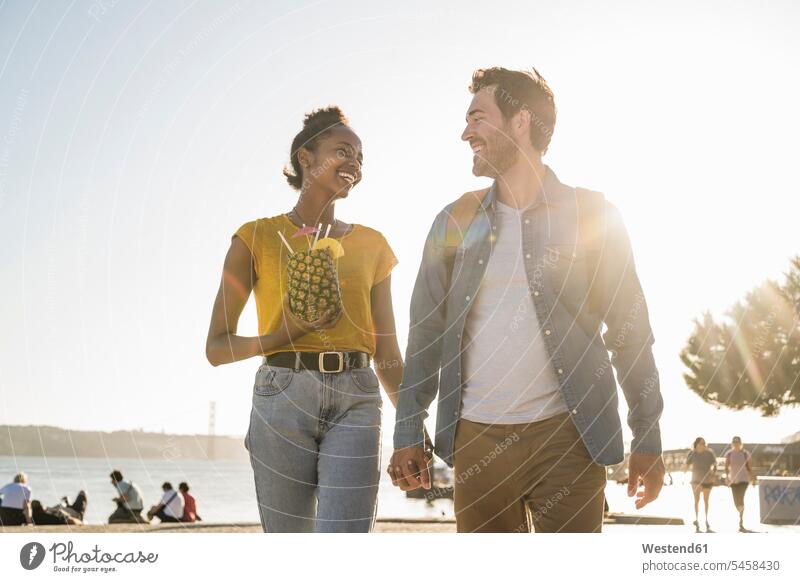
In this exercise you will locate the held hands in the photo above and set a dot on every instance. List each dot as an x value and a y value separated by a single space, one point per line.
410 468
650 470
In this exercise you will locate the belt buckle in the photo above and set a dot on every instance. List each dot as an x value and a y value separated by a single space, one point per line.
322 363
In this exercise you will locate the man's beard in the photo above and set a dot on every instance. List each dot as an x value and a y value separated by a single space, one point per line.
498 155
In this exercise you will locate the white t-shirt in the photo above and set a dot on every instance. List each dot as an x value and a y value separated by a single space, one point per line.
132 493
738 472
15 495
172 501
508 377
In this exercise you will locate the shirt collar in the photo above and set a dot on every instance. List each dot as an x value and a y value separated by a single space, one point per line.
551 192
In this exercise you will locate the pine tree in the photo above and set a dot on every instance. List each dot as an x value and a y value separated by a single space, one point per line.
751 357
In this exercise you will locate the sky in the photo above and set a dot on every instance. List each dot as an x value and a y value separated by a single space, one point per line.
136 137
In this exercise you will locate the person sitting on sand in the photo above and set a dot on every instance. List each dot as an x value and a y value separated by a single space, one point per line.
51 515
16 502
77 508
170 508
129 502
189 504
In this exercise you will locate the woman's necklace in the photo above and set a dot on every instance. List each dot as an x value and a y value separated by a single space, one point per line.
299 218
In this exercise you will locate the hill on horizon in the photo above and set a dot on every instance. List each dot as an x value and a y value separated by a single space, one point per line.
51 441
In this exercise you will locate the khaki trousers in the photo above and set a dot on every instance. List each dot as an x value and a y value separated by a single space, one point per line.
526 477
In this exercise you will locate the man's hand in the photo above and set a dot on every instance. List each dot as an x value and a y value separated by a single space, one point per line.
650 469
409 468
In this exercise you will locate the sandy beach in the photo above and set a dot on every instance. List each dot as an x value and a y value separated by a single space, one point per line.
381 526
624 524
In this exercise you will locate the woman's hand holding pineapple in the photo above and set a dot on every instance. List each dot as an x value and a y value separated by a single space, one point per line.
295 328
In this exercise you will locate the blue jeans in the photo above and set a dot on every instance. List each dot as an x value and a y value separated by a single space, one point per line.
314 442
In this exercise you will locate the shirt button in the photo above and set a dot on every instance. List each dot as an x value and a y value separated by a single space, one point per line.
455 414
560 371
547 332
480 261
536 293
467 297
527 221
528 256
574 411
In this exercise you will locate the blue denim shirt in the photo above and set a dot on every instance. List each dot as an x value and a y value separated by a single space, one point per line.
578 347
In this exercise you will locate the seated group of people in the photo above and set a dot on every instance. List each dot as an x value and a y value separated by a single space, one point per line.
18 508
174 506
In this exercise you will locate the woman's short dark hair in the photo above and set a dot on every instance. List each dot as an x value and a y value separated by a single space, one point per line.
516 90
116 476
316 125
183 486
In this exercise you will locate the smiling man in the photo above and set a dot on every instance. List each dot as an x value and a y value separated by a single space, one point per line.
507 315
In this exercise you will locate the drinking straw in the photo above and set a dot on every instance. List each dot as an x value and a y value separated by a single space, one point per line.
316 235
280 234
328 230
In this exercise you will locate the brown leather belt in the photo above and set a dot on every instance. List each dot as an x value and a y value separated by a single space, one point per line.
326 362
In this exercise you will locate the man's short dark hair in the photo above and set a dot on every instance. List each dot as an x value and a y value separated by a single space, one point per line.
166 485
116 476
515 90
183 486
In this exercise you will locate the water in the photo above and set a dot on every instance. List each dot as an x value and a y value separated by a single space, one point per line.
224 489
225 493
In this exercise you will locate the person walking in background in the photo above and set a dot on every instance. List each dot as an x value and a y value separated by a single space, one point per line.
16 502
129 502
189 504
515 284
703 464
170 508
738 475
315 423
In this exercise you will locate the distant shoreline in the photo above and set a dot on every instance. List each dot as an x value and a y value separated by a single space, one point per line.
50 441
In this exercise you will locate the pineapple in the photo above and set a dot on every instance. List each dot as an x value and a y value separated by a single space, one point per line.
313 284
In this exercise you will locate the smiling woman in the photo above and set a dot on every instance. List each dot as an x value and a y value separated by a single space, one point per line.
340 154
314 435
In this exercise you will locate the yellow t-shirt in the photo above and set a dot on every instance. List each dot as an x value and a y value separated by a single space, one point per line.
368 259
